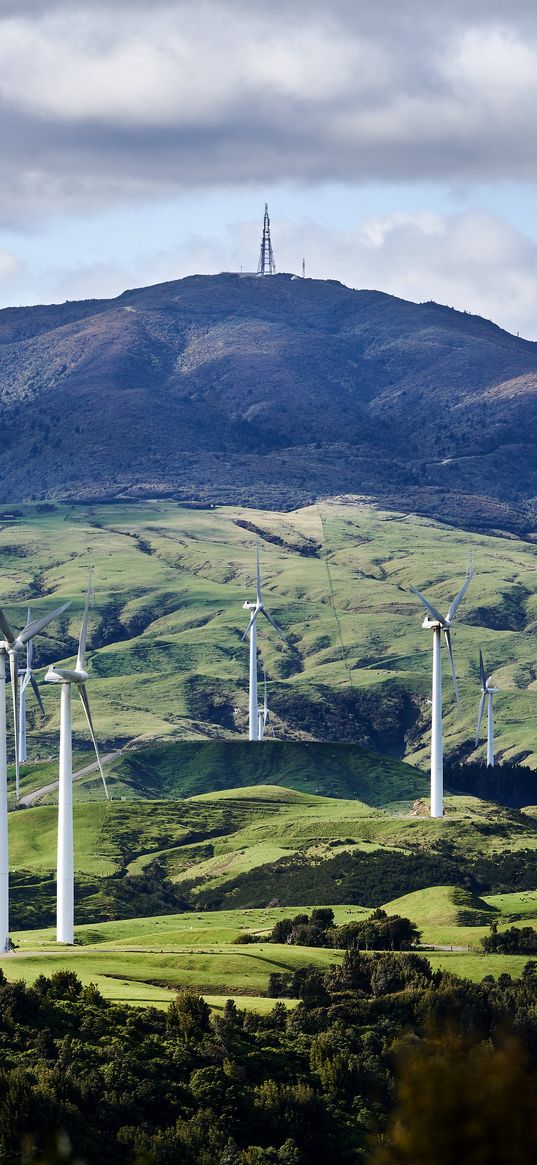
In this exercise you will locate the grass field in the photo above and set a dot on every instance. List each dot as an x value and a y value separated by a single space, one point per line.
169 660
142 961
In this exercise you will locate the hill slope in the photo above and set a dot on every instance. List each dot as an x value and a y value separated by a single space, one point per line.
190 768
167 653
271 392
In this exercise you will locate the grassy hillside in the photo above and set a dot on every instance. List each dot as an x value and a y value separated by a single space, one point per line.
190 768
168 658
265 844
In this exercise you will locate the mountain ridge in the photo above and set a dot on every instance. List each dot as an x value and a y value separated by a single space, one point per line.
273 392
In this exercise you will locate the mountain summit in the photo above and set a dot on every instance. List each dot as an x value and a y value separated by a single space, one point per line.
269 391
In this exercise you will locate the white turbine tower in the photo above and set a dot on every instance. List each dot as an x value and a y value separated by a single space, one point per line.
65 874
27 678
10 645
263 714
487 692
256 609
438 623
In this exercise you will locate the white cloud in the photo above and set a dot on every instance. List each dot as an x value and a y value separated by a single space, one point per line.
10 265
100 98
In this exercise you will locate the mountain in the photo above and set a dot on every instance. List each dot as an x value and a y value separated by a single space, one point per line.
272 392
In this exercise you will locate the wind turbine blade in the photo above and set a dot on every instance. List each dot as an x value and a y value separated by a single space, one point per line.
432 610
458 598
251 623
38 625
258 575
26 680
37 695
81 657
85 704
5 628
275 625
482 675
265 703
453 673
14 672
480 717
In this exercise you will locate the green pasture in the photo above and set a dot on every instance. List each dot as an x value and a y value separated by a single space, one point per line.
143 961
476 967
149 976
168 659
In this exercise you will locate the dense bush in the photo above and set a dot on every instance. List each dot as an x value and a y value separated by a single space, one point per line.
377 933
359 879
516 940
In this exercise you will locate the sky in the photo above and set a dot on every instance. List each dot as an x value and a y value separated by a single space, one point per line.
395 144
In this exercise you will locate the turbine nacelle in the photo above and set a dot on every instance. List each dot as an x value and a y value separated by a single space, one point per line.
435 624
65 675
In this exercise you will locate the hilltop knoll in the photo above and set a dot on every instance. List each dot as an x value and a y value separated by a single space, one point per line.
271 392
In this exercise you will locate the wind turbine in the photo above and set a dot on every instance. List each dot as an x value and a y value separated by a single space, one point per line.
487 692
438 623
66 677
10 645
263 714
28 678
256 609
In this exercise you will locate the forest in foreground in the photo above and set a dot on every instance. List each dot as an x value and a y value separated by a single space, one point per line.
381 1059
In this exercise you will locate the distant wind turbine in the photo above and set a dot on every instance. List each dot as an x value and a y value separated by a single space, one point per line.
487 692
10 646
66 677
438 623
27 678
256 609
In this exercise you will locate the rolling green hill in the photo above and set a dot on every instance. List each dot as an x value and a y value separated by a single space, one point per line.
252 846
141 961
188 768
168 657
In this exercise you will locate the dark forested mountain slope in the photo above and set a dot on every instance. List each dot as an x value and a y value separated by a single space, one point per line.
271 391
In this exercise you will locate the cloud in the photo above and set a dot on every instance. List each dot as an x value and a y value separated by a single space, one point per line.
124 101
10 265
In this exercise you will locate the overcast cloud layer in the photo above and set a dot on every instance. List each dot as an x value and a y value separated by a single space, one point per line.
105 99
105 105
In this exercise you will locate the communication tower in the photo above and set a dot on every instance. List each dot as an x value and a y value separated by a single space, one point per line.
266 265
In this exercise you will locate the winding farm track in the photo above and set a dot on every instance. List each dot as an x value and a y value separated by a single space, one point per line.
36 795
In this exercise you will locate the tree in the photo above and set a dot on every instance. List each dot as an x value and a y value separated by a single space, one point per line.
189 1013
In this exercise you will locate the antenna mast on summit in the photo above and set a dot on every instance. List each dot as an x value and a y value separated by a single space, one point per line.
266 265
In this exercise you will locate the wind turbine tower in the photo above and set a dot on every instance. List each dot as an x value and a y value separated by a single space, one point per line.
27 679
263 714
10 646
487 692
266 264
438 623
66 677
256 609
